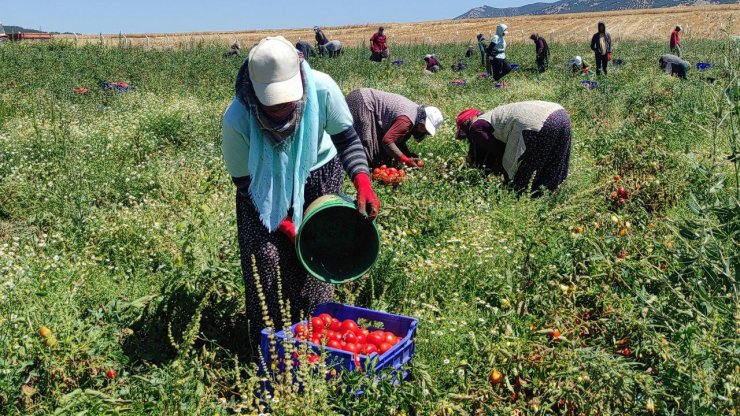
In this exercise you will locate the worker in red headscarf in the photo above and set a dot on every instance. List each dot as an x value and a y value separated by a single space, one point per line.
519 141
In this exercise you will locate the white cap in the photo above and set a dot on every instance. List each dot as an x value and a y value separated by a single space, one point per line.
275 71
428 56
433 121
578 60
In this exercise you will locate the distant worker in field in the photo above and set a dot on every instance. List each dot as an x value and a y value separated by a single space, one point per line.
305 49
601 44
577 65
675 42
386 121
321 38
469 52
459 65
433 64
674 65
542 52
498 66
378 46
286 135
333 49
519 141
482 48
234 50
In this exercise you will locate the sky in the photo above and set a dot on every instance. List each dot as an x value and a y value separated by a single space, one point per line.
153 16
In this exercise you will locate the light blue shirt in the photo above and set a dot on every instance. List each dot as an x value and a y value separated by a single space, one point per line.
334 118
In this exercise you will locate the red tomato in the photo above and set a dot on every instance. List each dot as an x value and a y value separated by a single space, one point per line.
622 193
327 319
110 374
361 338
333 335
383 347
349 325
391 338
402 173
383 167
420 163
335 325
317 323
368 349
392 171
334 344
301 331
316 340
319 333
365 331
314 359
376 171
353 348
349 337
376 338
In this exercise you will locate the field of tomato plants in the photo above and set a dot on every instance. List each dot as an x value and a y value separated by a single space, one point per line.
121 288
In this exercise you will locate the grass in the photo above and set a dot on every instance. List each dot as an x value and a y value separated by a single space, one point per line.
117 232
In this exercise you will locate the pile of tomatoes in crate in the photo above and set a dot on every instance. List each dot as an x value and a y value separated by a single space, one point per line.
389 176
345 335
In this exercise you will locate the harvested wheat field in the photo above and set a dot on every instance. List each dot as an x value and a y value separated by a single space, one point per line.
705 22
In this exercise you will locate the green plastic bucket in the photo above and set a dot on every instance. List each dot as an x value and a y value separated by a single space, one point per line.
335 244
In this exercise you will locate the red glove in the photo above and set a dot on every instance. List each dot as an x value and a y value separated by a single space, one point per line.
409 162
288 228
366 195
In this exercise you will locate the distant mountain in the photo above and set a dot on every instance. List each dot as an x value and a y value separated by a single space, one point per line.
18 29
582 6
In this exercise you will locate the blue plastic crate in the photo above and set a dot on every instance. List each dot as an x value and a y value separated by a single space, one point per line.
515 67
401 353
591 85
397 63
703 66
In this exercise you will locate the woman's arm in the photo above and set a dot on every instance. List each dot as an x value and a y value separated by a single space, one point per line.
351 153
400 130
480 135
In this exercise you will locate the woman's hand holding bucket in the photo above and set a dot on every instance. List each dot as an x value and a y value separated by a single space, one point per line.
366 196
288 228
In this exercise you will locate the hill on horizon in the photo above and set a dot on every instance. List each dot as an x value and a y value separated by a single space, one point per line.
582 6
18 29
